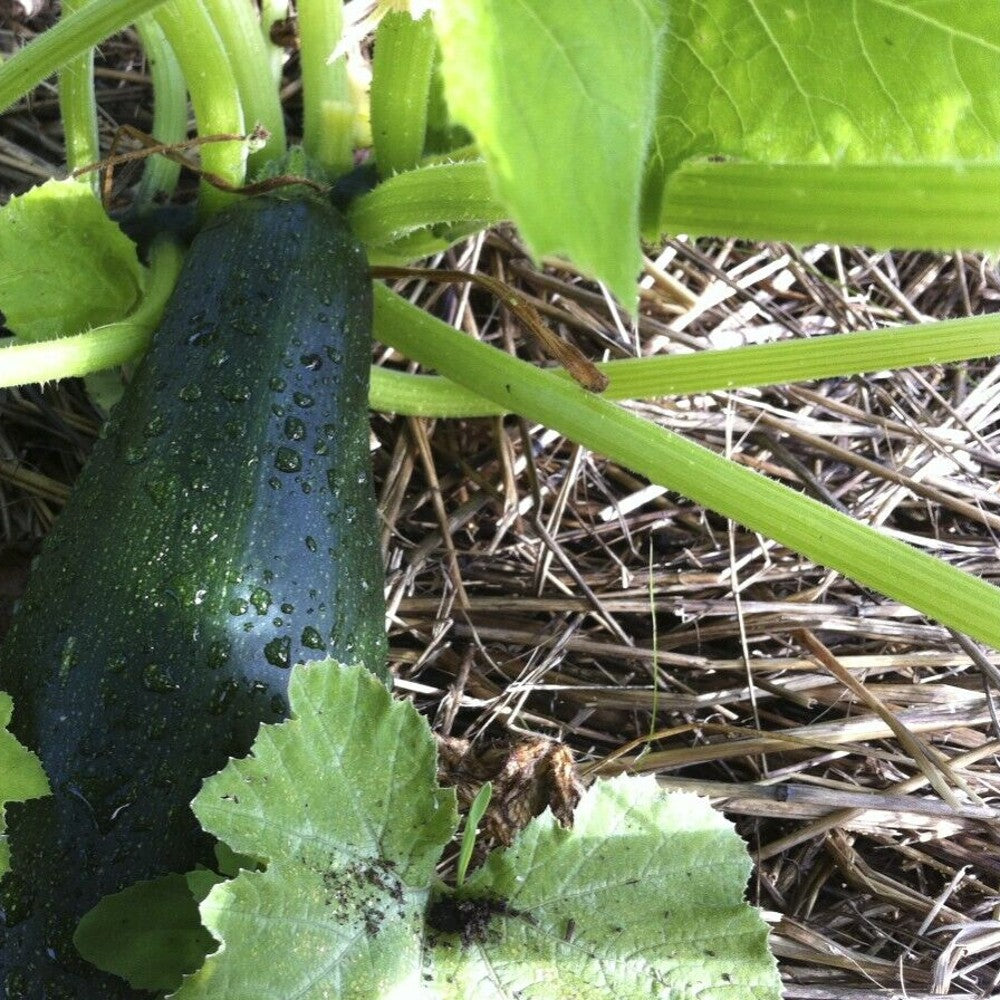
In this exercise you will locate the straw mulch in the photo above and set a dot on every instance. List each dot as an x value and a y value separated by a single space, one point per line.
538 593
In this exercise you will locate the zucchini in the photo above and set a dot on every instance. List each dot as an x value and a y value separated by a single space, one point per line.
223 529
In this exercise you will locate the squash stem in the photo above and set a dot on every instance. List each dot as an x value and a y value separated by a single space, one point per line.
780 363
827 537
328 112
70 38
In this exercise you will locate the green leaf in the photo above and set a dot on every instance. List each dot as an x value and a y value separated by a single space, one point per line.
818 82
150 933
814 83
642 898
21 774
64 265
342 802
645 891
560 97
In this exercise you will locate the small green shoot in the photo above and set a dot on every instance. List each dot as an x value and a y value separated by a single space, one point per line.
479 806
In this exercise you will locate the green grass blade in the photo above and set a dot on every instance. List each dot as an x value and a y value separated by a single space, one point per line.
479 805
823 535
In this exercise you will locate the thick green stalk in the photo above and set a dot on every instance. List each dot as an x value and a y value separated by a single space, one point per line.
239 29
215 95
327 110
823 535
104 346
77 105
401 83
160 175
419 200
71 37
933 206
831 356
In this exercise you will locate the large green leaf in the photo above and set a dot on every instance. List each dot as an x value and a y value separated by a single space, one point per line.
560 96
642 898
342 802
764 104
813 82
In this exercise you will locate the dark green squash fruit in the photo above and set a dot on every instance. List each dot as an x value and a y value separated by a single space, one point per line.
223 529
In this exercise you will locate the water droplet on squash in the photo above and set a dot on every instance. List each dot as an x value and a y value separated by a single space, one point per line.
287 460
311 638
295 429
260 599
278 652
235 392
135 454
155 426
155 678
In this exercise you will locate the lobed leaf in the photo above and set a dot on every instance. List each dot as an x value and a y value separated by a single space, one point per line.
64 265
642 898
342 802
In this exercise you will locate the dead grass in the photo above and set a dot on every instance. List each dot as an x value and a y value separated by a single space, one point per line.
534 588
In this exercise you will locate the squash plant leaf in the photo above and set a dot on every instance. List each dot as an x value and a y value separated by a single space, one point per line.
815 82
642 898
21 774
811 82
149 933
560 98
342 802
64 265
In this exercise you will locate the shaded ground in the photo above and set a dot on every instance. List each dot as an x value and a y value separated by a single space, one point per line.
534 588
